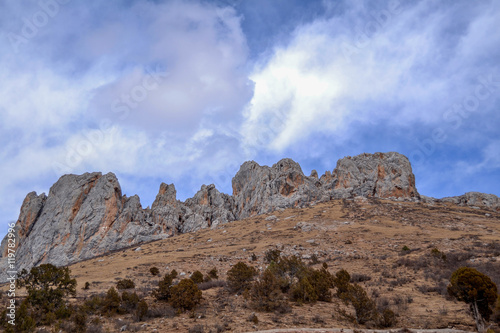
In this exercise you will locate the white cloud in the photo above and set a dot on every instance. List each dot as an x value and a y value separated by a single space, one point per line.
353 68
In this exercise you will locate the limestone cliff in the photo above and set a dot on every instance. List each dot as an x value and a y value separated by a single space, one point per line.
86 215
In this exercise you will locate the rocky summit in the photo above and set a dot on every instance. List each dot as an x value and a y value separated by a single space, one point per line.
84 216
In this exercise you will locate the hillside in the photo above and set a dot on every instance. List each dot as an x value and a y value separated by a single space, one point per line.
364 236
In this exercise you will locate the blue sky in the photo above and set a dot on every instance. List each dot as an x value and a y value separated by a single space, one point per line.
186 91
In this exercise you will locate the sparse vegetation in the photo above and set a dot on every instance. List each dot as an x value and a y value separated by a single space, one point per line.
378 294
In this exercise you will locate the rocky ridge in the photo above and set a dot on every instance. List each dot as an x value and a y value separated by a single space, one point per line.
86 215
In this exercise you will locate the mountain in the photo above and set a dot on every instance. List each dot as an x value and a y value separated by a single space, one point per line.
84 216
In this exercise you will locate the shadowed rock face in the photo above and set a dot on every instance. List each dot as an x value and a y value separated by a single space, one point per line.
86 215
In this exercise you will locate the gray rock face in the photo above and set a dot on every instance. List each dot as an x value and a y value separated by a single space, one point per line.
381 175
86 215
261 189
477 199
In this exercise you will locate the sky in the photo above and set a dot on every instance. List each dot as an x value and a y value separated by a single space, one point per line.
184 92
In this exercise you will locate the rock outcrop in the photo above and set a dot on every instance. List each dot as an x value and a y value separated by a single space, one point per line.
378 175
261 189
86 215
476 199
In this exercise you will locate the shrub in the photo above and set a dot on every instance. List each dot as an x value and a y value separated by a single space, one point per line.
387 318
341 282
24 321
185 295
314 259
80 321
266 294
272 256
163 292
240 277
87 286
303 291
142 310
129 301
364 306
197 277
154 271
111 303
287 270
405 249
322 280
125 284
212 284
253 318
476 289
196 329
438 254
213 274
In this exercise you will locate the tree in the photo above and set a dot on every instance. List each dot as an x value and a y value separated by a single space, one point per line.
476 289
186 295
47 285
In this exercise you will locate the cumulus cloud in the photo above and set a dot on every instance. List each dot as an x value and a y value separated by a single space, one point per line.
401 64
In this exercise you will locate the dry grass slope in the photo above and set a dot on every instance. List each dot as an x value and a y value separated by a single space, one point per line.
402 254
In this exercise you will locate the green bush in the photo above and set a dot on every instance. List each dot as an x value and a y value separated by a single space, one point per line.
142 310
197 277
438 254
213 274
129 302
387 318
111 303
163 292
322 281
125 284
342 282
266 294
186 295
154 271
476 289
24 321
80 321
364 306
303 291
272 256
287 270
240 277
